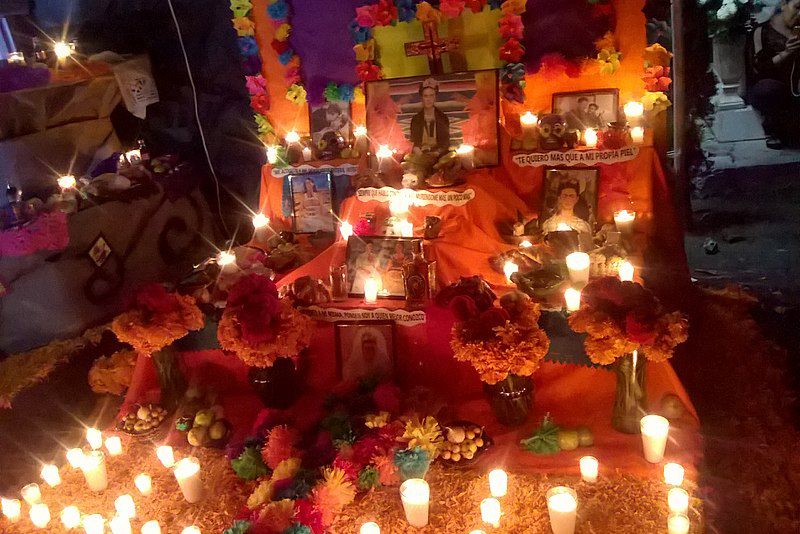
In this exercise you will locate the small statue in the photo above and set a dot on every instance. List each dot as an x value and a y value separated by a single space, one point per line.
551 132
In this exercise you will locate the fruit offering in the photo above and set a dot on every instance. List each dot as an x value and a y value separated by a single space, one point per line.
142 419
464 441
207 428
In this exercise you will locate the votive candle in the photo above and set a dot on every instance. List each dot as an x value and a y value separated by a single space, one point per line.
590 138
655 430
678 524
678 501
11 509
406 228
589 468
371 290
114 445
93 524
94 437
93 466
151 527
292 137
120 525
477 532
490 511
498 483
272 154
50 475
165 455
74 457
191 530
624 220
578 265
415 494
466 155
562 506
307 154
673 474
637 135
572 298
626 271
370 528
125 506
143 483
187 473
32 494
40 515
346 230
633 110
71 517
510 268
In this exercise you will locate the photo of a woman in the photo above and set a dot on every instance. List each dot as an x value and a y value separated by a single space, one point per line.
570 196
430 128
367 265
311 198
393 277
365 350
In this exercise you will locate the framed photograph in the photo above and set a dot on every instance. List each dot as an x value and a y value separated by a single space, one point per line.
436 113
570 200
364 349
377 257
100 251
312 202
329 120
588 109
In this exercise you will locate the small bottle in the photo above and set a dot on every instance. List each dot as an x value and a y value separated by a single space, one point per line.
419 276
143 151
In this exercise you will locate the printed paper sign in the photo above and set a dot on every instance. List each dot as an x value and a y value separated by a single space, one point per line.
401 317
338 170
576 157
418 198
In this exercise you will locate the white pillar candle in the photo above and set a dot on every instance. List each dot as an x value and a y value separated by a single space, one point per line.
626 271
678 501
637 135
125 506
624 220
590 138
151 527
187 473
678 524
94 437
490 511
32 494
578 265
466 156
633 110
114 446
165 455
589 468
370 528
120 525
346 230
94 470
143 483
562 506
307 154
71 517
371 290
572 297
498 483
655 430
50 475
191 530
74 457
40 515
93 524
405 228
11 509
272 154
510 268
415 494
673 474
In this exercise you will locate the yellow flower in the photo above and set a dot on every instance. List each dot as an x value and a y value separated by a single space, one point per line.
262 494
606 41
243 26
655 101
358 95
608 58
425 434
286 469
296 94
427 13
282 32
379 420
656 55
365 51
513 7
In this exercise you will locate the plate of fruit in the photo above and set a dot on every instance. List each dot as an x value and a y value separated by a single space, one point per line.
207 428
143 420
464 442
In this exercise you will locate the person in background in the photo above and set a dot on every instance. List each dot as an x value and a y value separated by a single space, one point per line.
776 93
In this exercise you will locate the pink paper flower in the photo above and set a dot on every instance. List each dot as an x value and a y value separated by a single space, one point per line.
511 51
511 27
452 8
256 85
365 16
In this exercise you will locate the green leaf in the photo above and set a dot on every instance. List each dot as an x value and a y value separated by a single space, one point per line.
544 440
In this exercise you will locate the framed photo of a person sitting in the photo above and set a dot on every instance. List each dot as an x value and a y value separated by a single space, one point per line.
570 200
436 114
364 349
380 258
312 202
588 109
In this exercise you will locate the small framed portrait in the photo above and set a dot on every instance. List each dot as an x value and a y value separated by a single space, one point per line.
312 202
364 349
570 200
381 258
100 250
588 109
435 114
329 121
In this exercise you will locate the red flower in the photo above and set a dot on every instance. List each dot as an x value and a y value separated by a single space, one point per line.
365 16
640 328
657 78
512 51
476 5
257 299
306 514
350 469
279 46
511 26
385 12
551 66
513 92
155 299
451 8
463 307
363 227
260 103
367 71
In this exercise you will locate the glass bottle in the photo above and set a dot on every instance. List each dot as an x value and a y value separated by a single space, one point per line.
419 277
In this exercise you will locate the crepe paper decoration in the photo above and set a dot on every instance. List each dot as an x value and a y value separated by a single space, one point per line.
331 92
365 16
256 85
511 50
263 124
365 51
279 446
239 526
243 26
283 31
657 79
478 130
368 478
346 92
452 8
427 13
511 27
292 75
385 12
359 33
367 71
553 65
298 528
476 6
656 55
606 41
260 103
249 465
278 10
513 7
241 8
608 59
286 56
412 463
655 102
406 10
247 46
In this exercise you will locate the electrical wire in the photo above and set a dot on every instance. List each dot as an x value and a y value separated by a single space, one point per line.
197 115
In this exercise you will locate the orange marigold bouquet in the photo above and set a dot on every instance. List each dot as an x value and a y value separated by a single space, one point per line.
156 319
259 326
620 317
498 341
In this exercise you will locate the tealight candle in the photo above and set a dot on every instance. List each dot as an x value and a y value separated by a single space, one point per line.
307 154
589 468
498 483
143 483
292 137
673 474
40 515
371 290
623 220
346 230
66 182
114 446
11 509
578 265
466 155
415 494
272 154
74 457
93 524
125 506
360 130
260 227
510 268
151 527
165 455
655 430
370 528
490 511
637 135
406 228
590 138
50 475
187 473
678 501
626 271
384 152
120 525
528 119
71 517
94 437
572 298
62 50
633 109
398 206
227 261
191 530
93 466
31 494
562 506
678 524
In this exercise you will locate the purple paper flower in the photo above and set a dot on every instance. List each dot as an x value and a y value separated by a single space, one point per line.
279 10
247 45
359 33
286 56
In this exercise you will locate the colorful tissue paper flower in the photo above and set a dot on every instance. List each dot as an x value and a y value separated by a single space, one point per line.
241 8
332 494
359 33
299 528
385 12
278 10
256 85
476 6
656 55
263 124
412 463
286 56
282 32
387 470
513 7
307 514
365 51
377 420
247 46
358 95
452 8
368 478
262 494
286 469
275 516
365 16
279 446
553 65
251 65
512 73
513 93
511 51
260 103
346 92
331 92
279 46
657 78
249 465
292 75
655 102
608 58
606 41
511 27
367 71
406 10
427 13
243 26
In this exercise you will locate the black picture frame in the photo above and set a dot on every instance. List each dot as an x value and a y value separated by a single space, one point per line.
312 211
321 123
607 99
588 181
364 347
387 268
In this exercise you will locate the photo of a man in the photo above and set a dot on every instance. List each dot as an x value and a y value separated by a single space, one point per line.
587 109
330 118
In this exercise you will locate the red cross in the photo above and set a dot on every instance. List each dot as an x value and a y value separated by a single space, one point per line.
432 46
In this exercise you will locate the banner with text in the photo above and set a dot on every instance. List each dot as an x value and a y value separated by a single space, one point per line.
576 157
401 317
337 170
417 198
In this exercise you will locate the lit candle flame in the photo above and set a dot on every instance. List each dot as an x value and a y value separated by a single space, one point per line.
292 137
360 130
384 152
260 220
66 182
528 119
62 50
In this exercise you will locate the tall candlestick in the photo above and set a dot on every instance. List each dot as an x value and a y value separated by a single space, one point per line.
624 220
114 446
415 494
50 475
590 138
74 457
94 437
589 468
510 268
143 483
31 494
371 290
655 430
678 501
40 515
94 470
578 265
678 524
11 509
93 524
572 298
71 517
673 474
370 528
498 483
151 527
490 511
125 506
120 525
165 455
562 506
187 473
626 271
